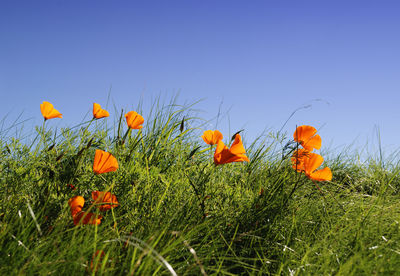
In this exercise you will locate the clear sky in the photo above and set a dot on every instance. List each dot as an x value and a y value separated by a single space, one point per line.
260 59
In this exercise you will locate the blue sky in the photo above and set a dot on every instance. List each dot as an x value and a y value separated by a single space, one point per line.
261 59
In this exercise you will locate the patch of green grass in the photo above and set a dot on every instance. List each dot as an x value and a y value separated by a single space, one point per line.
179 213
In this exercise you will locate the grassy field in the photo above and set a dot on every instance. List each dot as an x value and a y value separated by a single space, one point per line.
179 214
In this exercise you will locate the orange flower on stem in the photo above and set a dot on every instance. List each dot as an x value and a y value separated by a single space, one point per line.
98 112
236 153
311 164
307 137
104 200
104 162
49 112
212 137
134 120
298 159
87 218
76 204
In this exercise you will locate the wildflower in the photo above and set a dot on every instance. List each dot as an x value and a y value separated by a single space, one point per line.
298 159
236 153
49 112
87 218
307 137
76 204
104 162
212 137
80 217
102 198
98 112
134 120
311 163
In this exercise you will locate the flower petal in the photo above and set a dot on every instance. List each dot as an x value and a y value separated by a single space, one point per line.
87 218
304 133
212 137
236 153
321 175
312 143
306 136
76 204
237 145
134 120
102 198
98 112
48 111
298 158
312 162
104 162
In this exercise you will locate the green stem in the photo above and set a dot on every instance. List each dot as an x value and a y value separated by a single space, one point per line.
145 157
126 135
90 122
43 140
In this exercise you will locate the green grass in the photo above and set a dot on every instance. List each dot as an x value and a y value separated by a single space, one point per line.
180 214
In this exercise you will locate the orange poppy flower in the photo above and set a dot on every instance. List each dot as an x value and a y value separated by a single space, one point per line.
80 217
49 112
76 203
236 153
87 218
307 137
104 162
311 163
100 198
298 159
134 120
98 112
212 137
